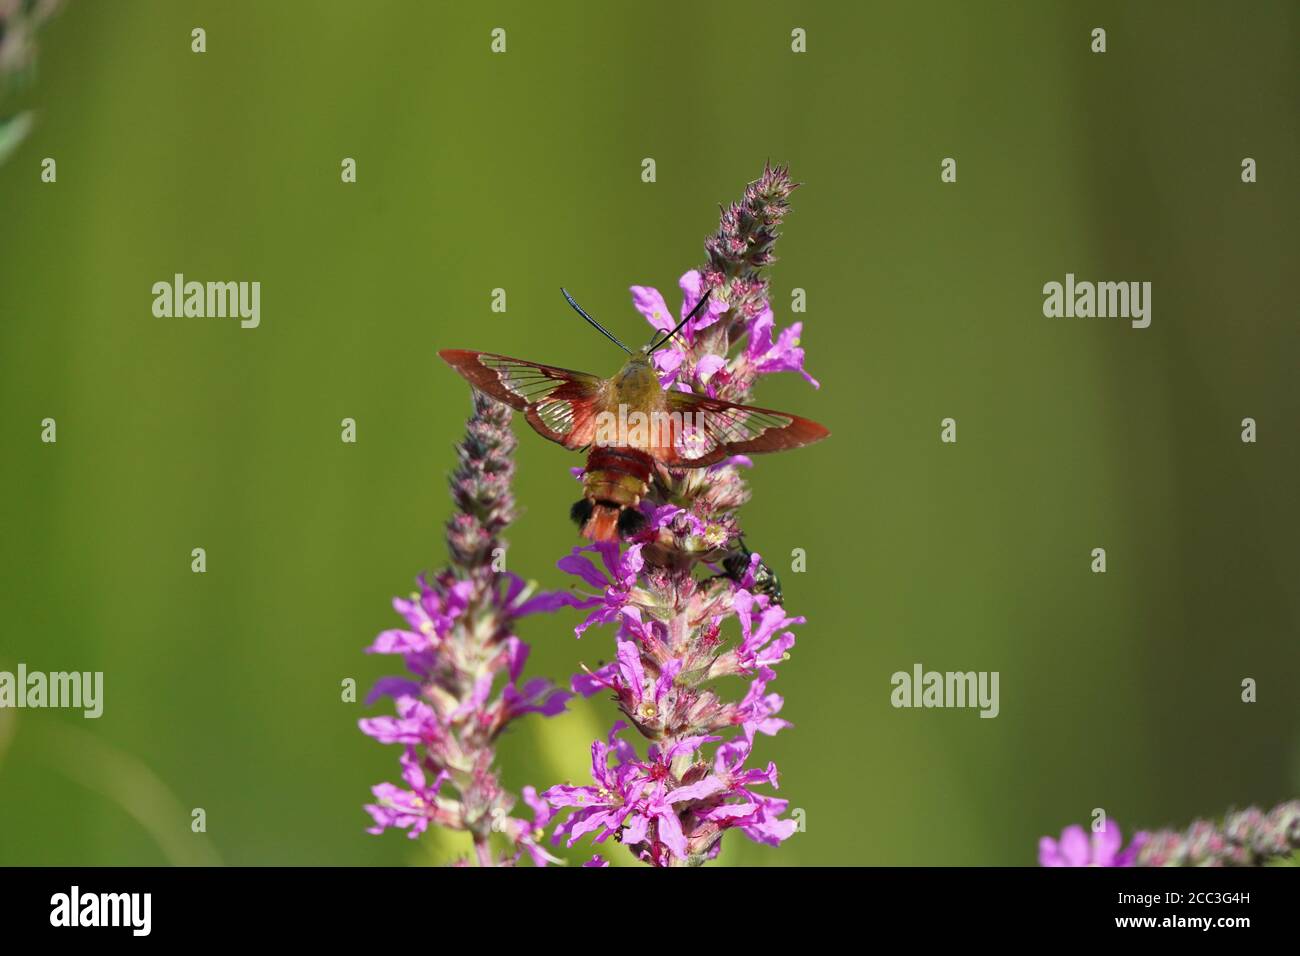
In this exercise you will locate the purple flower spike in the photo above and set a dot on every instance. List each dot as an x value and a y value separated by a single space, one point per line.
467 667
1247 837
684 597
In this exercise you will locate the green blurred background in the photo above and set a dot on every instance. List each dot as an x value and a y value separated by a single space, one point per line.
522 171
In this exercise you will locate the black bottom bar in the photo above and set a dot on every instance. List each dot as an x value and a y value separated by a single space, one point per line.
393 904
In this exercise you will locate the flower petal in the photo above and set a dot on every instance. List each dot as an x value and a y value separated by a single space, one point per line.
650 303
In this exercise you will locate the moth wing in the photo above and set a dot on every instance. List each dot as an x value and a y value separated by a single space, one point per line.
711 429
558 402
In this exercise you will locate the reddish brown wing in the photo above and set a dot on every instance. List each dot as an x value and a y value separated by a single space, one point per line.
558 402
711 429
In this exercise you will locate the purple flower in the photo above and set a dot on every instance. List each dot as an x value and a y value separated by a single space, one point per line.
616 580
407 809
604 807
783 355
537 696
634 800
528 836
415 723
590 682
757 815
757 712
685 369
650 303
518 599
670 358
1075 848
759 647
665 516
642 699
641 803
431 613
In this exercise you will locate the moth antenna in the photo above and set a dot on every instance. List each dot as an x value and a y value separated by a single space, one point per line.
690 315
603 331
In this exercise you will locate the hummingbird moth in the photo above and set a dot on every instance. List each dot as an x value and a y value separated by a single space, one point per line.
628 425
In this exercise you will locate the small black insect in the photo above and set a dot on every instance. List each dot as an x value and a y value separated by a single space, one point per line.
736 564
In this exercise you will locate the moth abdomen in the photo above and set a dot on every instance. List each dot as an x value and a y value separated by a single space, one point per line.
580 512
615 482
